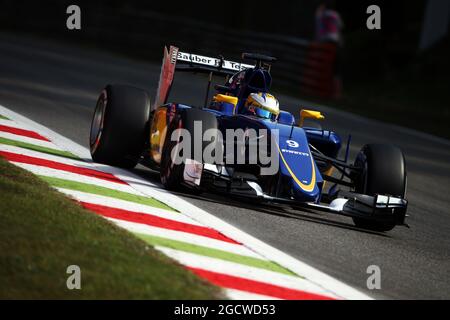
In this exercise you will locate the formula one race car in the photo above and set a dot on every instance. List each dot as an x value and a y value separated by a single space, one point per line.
126 130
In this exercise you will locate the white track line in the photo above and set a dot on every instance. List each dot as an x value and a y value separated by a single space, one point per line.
56 138
70 176
317 277
13 124
243 271
187 237
127 205
123 175
58 159
37 142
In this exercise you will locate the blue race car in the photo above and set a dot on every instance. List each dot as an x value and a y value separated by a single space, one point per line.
239 142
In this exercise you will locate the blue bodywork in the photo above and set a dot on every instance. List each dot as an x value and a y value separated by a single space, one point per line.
297 163
300 176
299 171
307 156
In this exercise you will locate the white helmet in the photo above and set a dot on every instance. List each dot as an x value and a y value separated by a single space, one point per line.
263 105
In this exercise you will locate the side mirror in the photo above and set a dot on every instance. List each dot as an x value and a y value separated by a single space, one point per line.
309 114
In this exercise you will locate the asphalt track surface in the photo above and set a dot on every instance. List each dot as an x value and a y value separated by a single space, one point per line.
57 85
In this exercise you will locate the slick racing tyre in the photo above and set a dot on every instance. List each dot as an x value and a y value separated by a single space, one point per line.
383 172
119 126
171 172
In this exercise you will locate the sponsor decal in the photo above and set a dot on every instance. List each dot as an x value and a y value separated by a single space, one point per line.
292 143
298 153
213 62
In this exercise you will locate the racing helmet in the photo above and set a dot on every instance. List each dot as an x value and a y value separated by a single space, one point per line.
263 105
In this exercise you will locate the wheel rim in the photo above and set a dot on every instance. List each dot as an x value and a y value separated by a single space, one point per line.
97 123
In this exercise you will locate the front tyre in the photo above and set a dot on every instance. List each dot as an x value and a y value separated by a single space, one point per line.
383 172
119 126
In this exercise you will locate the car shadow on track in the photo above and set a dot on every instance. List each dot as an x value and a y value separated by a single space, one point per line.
280 210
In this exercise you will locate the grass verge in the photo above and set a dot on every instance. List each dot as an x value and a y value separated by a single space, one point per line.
42 232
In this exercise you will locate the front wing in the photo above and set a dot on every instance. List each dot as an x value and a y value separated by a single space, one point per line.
382 208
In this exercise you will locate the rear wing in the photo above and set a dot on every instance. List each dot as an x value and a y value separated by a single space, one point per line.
175 60
198 63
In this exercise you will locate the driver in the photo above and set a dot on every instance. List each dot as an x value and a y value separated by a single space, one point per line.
263 105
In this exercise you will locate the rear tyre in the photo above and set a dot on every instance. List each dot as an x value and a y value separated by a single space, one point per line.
171 173
119 126
384 172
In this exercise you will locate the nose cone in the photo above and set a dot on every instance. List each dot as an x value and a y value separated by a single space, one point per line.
302 173
297 165
305 196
